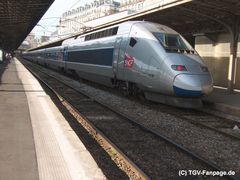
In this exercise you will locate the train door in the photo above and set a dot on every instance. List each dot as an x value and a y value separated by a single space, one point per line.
116 55
65 57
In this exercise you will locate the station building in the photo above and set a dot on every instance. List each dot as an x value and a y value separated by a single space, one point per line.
135 5
74 21
78 19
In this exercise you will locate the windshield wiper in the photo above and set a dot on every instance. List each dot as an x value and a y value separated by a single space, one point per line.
179 50
171 49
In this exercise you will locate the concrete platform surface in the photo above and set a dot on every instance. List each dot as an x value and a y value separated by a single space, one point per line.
224 102
36 141
17 149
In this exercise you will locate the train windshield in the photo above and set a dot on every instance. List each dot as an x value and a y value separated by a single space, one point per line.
173 42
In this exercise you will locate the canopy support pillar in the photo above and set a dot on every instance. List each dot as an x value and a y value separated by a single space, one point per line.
233 54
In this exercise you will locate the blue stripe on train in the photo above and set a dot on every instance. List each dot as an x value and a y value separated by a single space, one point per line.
187 93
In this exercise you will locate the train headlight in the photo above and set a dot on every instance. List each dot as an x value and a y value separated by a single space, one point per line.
179 68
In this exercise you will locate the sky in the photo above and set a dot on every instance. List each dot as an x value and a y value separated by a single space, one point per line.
48 23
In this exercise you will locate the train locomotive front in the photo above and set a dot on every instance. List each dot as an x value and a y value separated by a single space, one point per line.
166 68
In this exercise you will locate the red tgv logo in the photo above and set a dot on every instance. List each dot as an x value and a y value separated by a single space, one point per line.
128 61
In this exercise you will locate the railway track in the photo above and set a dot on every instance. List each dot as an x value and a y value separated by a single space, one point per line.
226 127
152 154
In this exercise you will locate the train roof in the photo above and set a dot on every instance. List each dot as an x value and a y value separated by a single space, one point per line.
152 27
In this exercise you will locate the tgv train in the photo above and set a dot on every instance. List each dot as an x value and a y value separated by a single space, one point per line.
139 57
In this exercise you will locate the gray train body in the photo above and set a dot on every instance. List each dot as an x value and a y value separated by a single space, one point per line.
138 57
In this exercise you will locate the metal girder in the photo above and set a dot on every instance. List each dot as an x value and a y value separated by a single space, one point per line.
18 18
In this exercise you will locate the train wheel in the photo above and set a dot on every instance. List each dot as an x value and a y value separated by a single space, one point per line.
141 96
74 74
62 70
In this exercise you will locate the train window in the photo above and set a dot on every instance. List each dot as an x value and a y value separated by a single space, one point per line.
105 33
172 42
87 37
100 34
114 32
95 35
92 36
109 32
132 42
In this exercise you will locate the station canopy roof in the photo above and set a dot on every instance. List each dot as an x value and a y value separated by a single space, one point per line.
188 17
197 16
18 18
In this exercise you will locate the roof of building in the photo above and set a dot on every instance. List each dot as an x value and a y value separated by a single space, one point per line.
18 18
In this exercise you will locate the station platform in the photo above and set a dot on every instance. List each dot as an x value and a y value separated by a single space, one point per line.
225 103
36 141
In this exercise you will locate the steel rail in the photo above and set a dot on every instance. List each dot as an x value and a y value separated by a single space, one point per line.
201 124
211 128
